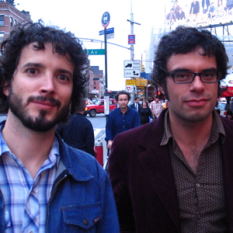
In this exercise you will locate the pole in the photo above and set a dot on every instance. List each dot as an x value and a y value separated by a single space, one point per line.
106 69
106 96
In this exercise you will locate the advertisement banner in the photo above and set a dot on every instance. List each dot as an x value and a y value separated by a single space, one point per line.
197 13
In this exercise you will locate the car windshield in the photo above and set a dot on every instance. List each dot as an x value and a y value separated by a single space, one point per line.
98 102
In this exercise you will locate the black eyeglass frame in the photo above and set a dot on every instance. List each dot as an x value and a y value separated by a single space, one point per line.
194 75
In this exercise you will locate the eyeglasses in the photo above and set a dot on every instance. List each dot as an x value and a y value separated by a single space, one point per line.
188 77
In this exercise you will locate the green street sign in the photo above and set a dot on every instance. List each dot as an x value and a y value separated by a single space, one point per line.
96 51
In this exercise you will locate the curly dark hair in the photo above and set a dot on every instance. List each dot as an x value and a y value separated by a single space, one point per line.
184 40
122 93
63 43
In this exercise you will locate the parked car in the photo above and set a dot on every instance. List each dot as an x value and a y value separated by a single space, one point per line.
98 107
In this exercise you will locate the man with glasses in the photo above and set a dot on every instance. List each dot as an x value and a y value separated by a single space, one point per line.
176 173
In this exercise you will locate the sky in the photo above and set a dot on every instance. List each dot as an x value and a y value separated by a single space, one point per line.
83 18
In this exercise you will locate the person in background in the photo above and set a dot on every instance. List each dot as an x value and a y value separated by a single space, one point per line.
156 107
122 118
47 186
136 105
145 113
175 174
78 132
229 115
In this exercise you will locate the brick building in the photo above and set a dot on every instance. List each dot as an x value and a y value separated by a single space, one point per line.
9 17
96 81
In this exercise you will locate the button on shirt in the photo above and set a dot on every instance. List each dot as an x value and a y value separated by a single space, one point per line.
118 122
201 195
25 198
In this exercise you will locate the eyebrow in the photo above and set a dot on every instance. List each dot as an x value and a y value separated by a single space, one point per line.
180 70
40 65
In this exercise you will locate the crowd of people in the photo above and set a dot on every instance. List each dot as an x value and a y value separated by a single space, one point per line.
201 11
173 174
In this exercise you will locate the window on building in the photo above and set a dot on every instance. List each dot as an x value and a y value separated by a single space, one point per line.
15 22
2 22
11 21
1 36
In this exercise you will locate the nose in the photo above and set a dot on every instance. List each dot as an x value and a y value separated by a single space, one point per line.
47 86
197 84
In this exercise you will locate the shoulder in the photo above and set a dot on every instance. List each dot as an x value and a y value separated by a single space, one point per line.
80 164
228 125
147 132
114 112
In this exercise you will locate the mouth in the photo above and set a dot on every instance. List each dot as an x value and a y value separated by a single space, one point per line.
44 101
196 102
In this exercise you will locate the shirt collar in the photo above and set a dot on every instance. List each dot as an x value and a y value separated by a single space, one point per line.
217 130
53 154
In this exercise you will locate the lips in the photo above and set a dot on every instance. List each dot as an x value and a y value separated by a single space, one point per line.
45 101
196 102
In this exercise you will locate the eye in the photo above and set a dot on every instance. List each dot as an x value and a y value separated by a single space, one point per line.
182 75
32 71
63 78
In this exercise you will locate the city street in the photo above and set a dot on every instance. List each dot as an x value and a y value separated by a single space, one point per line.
99 123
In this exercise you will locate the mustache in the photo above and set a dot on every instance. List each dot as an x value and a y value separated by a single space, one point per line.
43 99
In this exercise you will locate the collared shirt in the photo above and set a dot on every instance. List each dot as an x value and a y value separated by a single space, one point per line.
25 198
156 108
118 122
201 195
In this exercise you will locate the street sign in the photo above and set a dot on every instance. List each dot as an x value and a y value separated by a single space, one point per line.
105 19
108 31
132 64
110 36
131 39
130 88
132 73
130 82
96 51
132 68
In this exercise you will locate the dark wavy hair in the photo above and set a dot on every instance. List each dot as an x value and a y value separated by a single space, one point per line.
184 40
122 93
63 43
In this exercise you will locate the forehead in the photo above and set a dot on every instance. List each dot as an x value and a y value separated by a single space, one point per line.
195 61
122 96
30 51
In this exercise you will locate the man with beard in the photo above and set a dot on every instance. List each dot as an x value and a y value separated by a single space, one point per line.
47 186
175 174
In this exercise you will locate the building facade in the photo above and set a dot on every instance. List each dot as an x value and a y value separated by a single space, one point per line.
9 17
96 85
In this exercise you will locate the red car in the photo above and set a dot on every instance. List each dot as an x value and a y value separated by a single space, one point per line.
98 107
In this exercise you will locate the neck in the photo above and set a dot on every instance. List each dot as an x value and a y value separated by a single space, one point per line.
191 138
31 147
189 132
124 110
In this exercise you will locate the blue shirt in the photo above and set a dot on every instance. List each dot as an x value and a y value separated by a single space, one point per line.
118 122
26 198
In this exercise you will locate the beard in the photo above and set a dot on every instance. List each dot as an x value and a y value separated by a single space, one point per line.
39 123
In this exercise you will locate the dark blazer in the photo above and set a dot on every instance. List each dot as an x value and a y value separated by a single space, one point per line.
133 106
141 174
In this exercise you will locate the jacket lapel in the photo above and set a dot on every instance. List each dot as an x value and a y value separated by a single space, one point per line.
155 160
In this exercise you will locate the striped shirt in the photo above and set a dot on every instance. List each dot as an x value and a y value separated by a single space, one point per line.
25 198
